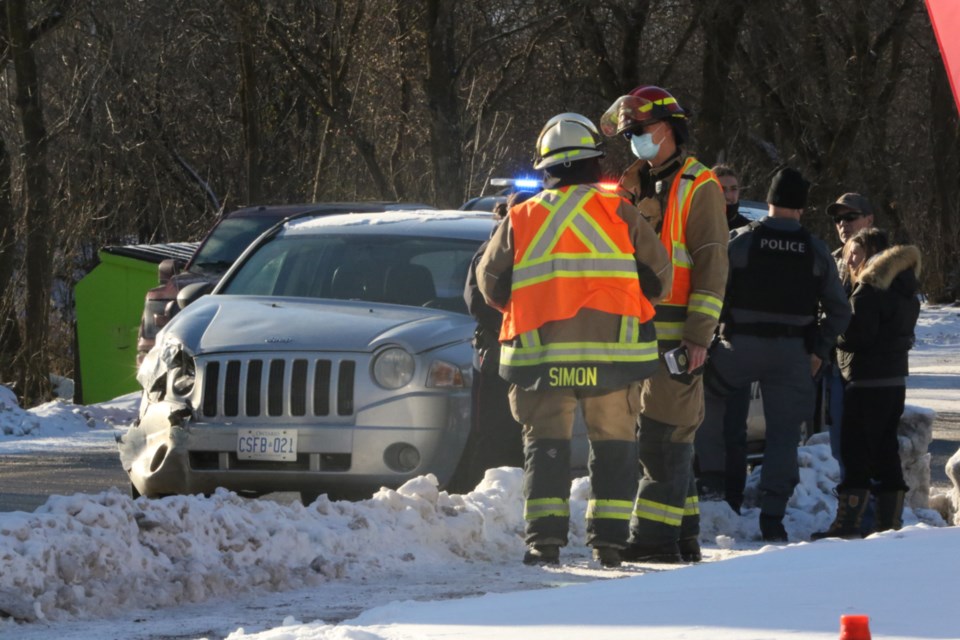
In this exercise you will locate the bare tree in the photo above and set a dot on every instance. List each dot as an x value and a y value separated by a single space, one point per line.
720 21
34 374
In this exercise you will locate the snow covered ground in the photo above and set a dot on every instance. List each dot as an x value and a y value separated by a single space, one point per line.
419 563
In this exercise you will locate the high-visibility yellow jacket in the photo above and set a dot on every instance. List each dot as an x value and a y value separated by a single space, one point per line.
673 310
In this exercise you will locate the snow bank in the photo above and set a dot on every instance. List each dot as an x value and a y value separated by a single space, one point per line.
85 556
88 555
813 505
54 422
948 504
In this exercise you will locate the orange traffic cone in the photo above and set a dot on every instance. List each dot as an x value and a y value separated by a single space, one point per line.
854 628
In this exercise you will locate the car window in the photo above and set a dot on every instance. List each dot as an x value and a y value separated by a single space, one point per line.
411 271
227 241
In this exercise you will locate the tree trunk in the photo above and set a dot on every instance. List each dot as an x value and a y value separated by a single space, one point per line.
250 108
9 329
440 88
34 377
945 143
721 28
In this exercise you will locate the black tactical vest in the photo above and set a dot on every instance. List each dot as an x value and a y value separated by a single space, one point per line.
778 279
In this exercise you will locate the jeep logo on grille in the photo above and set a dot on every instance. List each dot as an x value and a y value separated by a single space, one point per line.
278 340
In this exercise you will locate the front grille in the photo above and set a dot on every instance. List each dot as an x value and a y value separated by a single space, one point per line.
277 386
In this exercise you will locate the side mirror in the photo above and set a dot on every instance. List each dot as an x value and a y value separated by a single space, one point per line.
167 269
192 292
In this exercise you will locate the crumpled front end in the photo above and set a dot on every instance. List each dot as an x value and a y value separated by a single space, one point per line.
292 421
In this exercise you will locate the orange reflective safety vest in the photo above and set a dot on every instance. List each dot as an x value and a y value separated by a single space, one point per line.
673 309
573 251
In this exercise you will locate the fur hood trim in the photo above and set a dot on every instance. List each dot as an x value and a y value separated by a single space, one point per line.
882 268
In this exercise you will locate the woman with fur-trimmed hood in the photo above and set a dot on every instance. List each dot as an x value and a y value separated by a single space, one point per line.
872 354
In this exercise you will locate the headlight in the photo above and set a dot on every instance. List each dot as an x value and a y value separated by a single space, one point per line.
444 374
184 375
180 365
393 368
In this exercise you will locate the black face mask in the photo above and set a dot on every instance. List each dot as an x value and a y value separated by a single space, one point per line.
733 210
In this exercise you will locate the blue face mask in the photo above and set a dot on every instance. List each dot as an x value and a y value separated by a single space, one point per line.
644 147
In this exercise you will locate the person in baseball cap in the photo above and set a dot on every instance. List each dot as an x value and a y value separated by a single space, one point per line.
851 213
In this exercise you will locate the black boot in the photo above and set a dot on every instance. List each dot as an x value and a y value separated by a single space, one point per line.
889 511
690 550
608 557
851 503
542 554
771 528
664 553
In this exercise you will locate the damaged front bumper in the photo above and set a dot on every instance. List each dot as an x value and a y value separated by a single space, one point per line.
169 452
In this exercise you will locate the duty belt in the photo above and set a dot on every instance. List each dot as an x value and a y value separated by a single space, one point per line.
765 330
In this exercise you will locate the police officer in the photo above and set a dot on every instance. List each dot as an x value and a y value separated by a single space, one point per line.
576 271
683 200
780 274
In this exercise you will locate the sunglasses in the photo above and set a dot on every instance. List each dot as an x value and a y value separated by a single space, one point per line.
640 129
846 217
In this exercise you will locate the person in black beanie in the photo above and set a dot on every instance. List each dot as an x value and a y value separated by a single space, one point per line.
770 331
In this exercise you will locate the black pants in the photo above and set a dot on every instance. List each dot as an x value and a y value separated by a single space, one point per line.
496 439
868 438
735 438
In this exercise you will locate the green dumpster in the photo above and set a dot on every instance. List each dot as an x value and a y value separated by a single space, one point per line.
109 304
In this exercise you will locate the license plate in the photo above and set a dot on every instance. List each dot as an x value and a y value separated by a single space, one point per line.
267 444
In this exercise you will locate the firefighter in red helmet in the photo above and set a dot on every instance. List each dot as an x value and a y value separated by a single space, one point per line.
684 202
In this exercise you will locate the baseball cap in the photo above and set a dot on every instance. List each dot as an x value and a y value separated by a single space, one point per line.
854 202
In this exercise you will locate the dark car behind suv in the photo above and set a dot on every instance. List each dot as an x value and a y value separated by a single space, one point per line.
222 245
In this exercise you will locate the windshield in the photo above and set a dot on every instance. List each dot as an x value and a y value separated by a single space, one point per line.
227 242
412 271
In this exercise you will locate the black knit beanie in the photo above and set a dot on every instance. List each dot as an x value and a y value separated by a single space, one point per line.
788 189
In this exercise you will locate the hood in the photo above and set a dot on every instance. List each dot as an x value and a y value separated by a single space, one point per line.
222 323
884 268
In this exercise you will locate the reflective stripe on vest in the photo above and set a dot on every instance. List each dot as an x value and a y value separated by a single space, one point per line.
630 348
544 507
658 512
571 251
673 309
609 509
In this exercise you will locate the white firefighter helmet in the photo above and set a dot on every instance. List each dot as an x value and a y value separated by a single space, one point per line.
567 137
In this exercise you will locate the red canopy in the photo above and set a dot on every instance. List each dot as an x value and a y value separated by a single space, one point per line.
945 18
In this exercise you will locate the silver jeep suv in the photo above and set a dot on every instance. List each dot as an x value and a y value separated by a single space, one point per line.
333 357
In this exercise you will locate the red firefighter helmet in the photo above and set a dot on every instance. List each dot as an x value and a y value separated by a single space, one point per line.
645 104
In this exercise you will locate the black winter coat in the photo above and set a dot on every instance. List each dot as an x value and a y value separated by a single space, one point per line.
885 310
486 339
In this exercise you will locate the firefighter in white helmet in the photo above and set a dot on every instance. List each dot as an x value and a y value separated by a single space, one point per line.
576 272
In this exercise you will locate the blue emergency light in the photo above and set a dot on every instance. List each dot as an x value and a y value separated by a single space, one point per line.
518 184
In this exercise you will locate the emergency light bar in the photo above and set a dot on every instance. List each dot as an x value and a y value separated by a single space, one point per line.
520 184
533 184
